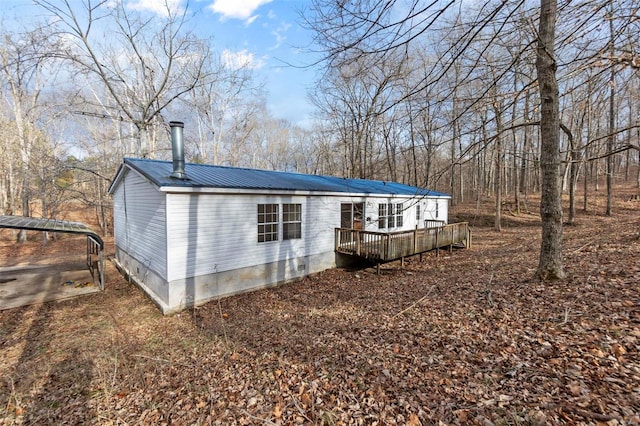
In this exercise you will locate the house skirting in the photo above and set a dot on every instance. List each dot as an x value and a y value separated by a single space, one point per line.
176 295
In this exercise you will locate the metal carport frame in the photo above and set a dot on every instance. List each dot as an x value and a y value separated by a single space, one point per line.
95 245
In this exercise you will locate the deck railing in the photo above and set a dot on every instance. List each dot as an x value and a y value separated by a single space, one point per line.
385 247
95 260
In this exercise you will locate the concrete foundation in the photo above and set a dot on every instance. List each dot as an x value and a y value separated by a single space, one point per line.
179 294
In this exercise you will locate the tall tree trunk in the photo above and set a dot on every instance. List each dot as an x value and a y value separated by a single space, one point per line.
482 170
426 125
612 93
588 167
638 162
573 173
551 262
499 176
525 147
452 176
414 159
627 163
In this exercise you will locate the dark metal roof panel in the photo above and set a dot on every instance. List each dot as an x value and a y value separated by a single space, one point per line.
208 176
43 224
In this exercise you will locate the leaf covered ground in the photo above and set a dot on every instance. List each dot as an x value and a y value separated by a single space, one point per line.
467 337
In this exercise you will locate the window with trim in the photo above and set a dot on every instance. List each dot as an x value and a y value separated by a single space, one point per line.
267 222
391 219
291 221
417 213
436 209
390 215
382 216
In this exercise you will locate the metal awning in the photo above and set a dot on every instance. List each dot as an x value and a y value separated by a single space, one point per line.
95 245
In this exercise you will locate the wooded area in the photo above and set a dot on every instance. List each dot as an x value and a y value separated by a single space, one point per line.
439 95
464 338
509 106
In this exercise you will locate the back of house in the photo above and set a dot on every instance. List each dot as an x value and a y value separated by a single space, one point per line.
188 233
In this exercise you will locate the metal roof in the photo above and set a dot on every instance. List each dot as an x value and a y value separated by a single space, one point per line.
52 225
208 176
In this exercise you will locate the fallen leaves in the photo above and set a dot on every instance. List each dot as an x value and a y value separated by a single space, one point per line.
461 339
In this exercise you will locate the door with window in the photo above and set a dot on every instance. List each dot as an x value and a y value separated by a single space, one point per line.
352 215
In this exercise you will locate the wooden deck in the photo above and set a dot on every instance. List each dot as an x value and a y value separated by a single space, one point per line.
385 247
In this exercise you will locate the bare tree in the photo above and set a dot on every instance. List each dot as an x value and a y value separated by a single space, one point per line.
363 31
612 118
550 265
143 67
225 100
23 71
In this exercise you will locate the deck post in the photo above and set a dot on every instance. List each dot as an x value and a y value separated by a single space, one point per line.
415 240
388 240
452 239
378 268
337 237
101 269
437 245
358 243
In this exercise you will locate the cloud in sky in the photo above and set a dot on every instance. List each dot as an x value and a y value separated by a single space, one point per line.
237 9
279 34
241 59
161 7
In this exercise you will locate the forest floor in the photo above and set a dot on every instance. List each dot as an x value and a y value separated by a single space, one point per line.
468 337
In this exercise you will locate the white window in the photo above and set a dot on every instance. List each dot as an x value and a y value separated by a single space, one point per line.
382 216
267 222
291 221
390 215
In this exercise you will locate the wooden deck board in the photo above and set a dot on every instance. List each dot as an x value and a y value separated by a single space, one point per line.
386 247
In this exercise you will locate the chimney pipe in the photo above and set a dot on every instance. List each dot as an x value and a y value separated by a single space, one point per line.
177 148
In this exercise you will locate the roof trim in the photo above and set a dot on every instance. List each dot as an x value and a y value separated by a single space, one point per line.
120 174
225 191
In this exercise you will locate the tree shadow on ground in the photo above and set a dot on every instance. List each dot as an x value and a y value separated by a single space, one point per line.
45 392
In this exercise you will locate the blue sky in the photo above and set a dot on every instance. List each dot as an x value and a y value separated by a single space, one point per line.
266 34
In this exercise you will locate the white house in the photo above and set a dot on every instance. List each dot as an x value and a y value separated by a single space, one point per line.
189 233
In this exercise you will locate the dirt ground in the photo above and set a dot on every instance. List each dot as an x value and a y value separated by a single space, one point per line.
34 272
37 283
464 338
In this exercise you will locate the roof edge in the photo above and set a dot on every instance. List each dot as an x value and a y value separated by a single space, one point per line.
246 191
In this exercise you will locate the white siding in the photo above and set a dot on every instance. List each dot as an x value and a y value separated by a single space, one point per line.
408 213
437 209
139 222
210 233
324 217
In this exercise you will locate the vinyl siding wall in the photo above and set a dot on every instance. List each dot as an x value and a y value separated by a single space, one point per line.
409 222
209 233
139 223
